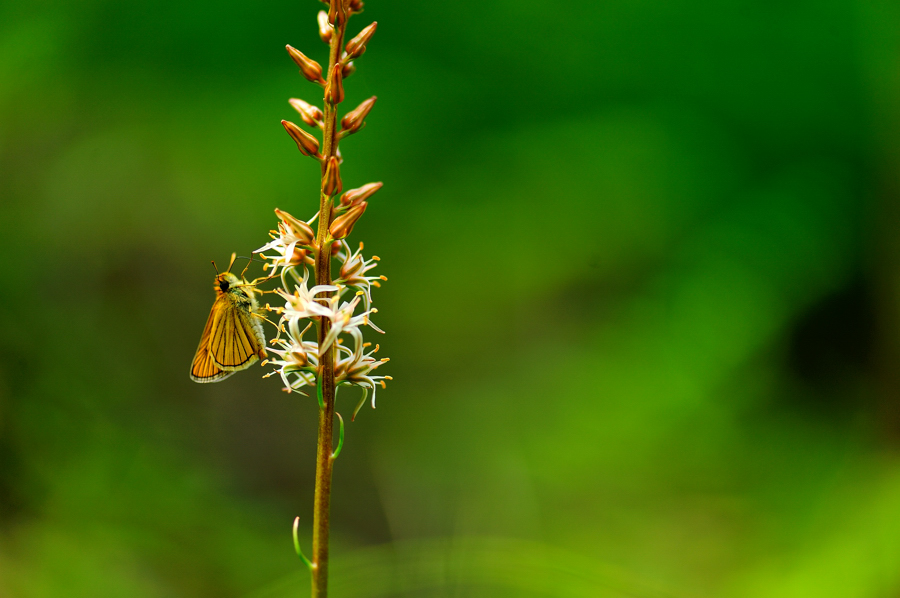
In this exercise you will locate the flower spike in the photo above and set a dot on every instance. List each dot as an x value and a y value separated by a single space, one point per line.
325 288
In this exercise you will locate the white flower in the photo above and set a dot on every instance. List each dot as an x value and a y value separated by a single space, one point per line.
292 242
353 270
299 360
304 303
354 367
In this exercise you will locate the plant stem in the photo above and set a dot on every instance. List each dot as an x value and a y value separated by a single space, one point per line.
324 458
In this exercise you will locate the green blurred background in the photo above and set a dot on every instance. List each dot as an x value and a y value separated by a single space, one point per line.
643 309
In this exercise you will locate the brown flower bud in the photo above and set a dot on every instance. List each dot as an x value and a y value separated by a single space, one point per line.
349 69
357 45
343 224
325 28
332 184
306 143
334 92
297 228
354 120
309 68
356 5
310 114
336 12
355 196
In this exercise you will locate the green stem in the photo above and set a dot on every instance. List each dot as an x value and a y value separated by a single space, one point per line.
324 453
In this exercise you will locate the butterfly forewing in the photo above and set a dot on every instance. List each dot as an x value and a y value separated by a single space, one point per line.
235 343
204 369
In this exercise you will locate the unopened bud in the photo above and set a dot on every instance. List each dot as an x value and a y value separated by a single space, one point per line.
343 224
357 45
325 28
309 68
355 196
336 12
332 184
297 228
356 5
334 93
354 120
310 114
349 69
306 143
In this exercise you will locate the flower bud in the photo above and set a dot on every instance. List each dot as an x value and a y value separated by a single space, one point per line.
356 5
332 184
357 45
343 224
296 228
336 12
334 92
354 120
356 196
309 68
325 28
310 114
349 69
306 143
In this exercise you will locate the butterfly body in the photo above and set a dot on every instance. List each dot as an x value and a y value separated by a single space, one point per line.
233 338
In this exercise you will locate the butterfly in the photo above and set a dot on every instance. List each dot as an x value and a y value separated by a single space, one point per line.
233 338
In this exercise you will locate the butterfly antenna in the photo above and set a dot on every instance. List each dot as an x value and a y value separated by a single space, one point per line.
261 278
214 266
249 261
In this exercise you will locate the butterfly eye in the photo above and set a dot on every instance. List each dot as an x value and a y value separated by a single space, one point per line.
223 285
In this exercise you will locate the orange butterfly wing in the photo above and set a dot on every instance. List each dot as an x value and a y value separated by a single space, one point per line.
236 341
204 369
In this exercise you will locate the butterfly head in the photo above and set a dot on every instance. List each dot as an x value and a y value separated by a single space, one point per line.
225 281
